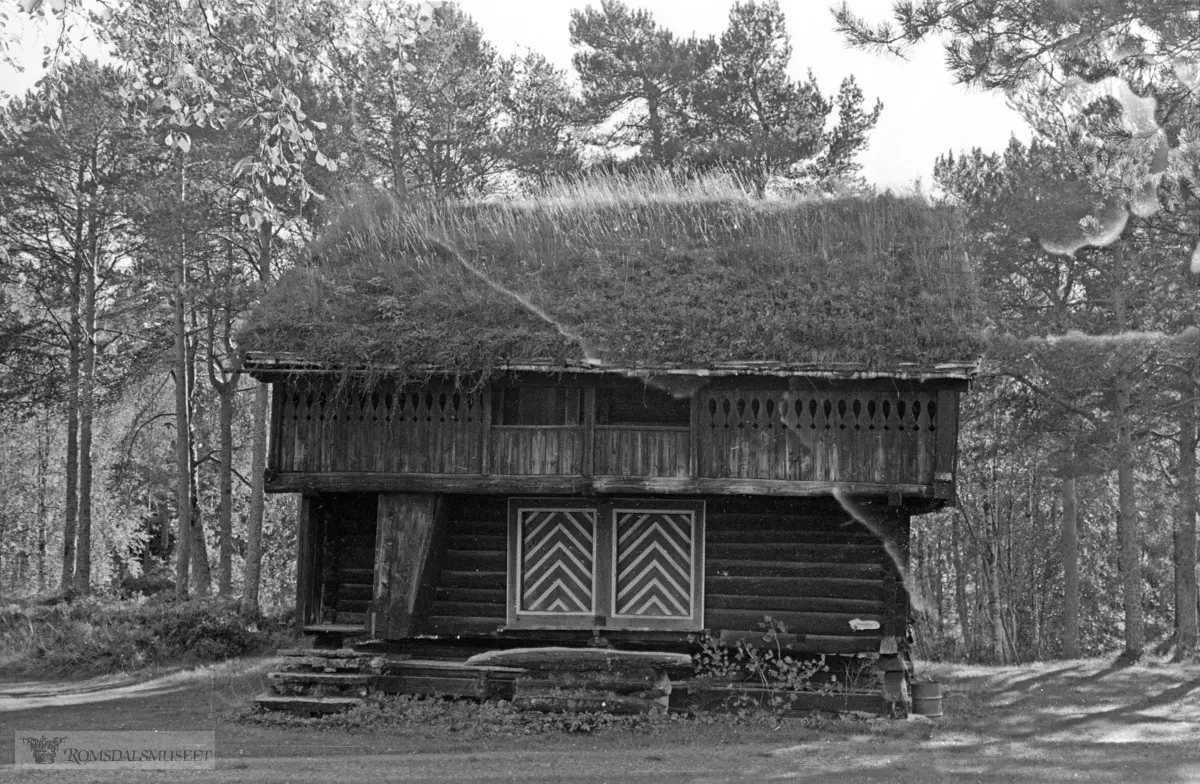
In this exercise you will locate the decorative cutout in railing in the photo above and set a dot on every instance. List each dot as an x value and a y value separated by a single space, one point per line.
848 435
432 430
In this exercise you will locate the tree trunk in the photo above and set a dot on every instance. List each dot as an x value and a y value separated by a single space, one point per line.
1070 557
258 459
960 584
71 501
1129 539
1185 533
43 488
183 427
87 398
225 523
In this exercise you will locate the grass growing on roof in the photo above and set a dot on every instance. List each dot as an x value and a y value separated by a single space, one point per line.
643 271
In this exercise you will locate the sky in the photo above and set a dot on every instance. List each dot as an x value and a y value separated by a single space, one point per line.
925 113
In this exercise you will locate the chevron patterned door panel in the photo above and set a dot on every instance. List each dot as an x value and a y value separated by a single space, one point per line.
657 564
654 564
558 560
587 564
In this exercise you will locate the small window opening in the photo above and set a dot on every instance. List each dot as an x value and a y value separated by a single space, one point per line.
638 404
540 405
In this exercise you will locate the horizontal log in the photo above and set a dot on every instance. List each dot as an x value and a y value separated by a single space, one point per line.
478 595
492 521
868 590
357 576
356 557
612 684
718 567
475 561
580 659
462 578
497 542
450 686
586 702
809 604
354 591
795 623
805 553
797 535
574 485
306 705
325 678
832 520
806 643
469 609
351 605
463 627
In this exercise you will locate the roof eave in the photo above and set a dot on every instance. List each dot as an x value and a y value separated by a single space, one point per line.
259 364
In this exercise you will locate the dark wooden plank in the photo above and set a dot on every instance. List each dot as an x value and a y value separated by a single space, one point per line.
807 643
469 609
493 541
473 580
475 561
465 685
579 659
799 553
792 603
477 595
793 535
355 591
573 485
847 571
456 626
868 590
795 622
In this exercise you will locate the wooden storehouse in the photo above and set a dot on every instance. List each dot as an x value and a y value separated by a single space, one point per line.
502 443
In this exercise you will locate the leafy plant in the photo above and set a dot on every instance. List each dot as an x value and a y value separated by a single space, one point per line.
779 673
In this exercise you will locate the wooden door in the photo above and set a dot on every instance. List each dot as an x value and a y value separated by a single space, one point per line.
622 564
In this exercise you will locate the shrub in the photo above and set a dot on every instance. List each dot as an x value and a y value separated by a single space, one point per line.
95 635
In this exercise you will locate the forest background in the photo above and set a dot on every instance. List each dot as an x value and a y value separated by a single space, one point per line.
147 202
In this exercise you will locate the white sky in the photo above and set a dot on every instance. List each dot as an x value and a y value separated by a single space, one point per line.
925 114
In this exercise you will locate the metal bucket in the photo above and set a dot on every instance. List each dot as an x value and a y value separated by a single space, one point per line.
927 699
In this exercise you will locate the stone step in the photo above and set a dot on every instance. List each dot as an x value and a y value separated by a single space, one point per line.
305 705
329 653
317 664
336 679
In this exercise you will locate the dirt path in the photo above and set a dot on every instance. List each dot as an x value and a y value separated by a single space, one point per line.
1083 721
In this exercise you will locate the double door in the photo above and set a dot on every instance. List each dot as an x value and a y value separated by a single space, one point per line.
587 564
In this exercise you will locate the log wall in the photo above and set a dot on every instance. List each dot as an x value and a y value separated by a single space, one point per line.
807 564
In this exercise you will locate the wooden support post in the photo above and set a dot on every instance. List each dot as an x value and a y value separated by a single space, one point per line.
486 454
946 451
275 427
406 550
694 437
308 548
587 461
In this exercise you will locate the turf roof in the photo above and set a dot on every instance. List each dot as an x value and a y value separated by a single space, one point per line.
641 274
